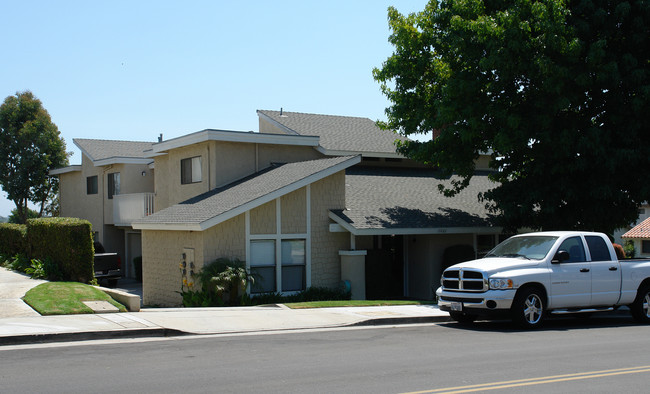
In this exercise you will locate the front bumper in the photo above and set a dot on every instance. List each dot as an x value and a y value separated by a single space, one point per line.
485 303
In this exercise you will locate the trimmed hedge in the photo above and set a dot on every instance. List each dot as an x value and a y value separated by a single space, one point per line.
67 242
13 239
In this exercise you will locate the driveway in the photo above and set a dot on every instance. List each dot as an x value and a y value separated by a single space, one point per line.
13 286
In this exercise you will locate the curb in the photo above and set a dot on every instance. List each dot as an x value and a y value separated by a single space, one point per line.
169 332
89 336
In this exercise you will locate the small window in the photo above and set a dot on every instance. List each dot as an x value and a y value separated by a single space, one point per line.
263 266
293 265
91 185
191 170
575 248
645 247
598 248
113 184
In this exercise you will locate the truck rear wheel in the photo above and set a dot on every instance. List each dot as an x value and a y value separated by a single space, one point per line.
528 309
640 308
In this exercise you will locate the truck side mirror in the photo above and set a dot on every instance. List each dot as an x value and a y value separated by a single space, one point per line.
560 256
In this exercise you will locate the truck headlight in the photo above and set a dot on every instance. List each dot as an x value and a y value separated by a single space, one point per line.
500 284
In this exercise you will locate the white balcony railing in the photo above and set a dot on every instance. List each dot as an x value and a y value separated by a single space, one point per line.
128 208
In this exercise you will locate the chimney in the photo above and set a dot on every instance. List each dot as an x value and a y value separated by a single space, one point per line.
160 138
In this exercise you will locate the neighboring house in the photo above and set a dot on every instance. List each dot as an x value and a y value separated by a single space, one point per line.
619 235
113 186
640 236
310 200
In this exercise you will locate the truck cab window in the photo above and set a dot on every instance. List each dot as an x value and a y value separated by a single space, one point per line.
598 249
575 248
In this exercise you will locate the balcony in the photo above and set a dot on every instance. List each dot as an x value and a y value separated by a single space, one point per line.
128 208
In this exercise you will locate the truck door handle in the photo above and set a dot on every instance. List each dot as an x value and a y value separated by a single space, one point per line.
584 269
613 268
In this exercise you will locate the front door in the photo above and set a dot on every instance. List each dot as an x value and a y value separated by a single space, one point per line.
571 279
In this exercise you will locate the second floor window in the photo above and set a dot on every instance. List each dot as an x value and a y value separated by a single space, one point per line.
91 185
191 170
113 184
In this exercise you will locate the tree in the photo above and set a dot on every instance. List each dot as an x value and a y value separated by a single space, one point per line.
30 146
556 91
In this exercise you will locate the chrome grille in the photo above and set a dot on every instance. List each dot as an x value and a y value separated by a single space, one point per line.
464 280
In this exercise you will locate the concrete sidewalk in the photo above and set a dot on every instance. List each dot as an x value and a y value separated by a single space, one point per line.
19 324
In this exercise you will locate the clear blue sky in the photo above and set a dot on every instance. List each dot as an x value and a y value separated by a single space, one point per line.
131 70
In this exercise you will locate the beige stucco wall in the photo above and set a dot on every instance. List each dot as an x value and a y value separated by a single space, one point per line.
74 200
169 190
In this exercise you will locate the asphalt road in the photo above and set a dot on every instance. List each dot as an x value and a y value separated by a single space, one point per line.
600 355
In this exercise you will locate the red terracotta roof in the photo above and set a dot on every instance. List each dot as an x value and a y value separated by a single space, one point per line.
642 230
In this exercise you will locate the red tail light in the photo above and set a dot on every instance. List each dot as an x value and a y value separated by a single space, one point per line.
119 262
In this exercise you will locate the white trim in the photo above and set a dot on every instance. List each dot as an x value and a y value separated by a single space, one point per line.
278 237
234 136
353 252
65 170
308 238
413 230
167 226
333 152
337 228
121 160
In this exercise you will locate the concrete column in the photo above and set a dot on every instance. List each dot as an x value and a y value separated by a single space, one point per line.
353 269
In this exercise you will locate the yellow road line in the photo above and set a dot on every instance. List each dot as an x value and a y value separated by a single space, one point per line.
534 381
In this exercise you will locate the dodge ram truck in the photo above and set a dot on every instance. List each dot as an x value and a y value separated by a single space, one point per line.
531 275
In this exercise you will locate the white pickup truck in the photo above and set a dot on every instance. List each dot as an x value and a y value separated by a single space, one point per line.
530 275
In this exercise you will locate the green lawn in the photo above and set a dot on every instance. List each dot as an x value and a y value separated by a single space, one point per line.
333 304
65 298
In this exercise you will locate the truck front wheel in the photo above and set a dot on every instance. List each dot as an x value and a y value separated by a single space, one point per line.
640 308
528 307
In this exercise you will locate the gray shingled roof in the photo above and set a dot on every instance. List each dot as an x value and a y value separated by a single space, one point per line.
206 209
107 149
379 198
339 133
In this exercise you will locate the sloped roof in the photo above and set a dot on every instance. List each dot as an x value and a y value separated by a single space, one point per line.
103 152
216 206
642 230
407 201
337 133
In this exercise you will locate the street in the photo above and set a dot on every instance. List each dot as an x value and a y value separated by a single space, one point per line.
569 355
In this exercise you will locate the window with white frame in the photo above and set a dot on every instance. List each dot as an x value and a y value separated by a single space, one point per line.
265 268
293 264
191 170
262 262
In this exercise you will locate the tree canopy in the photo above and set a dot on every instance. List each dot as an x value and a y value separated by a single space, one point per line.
30 146
556 92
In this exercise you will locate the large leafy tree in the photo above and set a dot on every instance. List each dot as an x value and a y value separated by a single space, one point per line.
30 146
558 92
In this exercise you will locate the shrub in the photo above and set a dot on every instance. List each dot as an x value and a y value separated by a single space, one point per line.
13 239
67 242
629 249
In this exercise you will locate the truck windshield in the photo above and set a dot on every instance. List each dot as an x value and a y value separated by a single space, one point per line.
529 247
